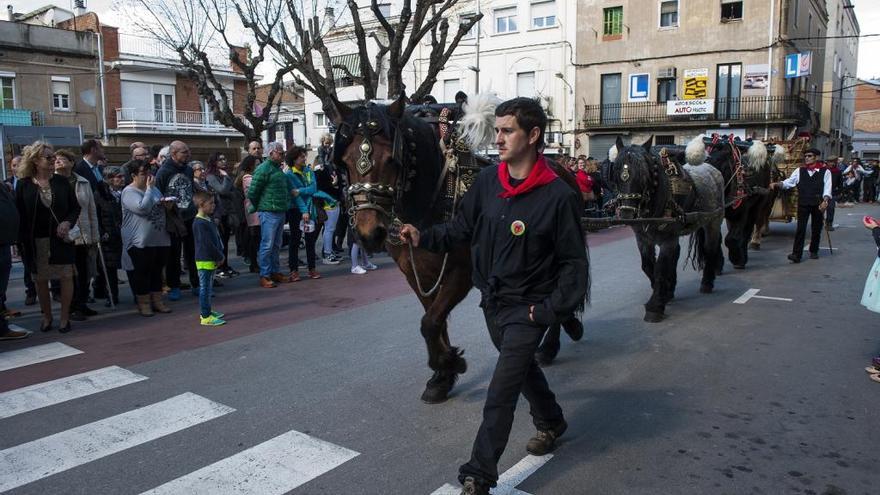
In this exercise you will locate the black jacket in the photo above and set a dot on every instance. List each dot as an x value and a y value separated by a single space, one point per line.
83 169
9 215
176 180
110 221
546 265
64 206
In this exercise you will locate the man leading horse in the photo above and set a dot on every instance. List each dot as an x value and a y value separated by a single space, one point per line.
522 223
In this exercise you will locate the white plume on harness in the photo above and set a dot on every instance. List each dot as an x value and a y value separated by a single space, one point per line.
477 126
612 153
695 151
780 155
757 155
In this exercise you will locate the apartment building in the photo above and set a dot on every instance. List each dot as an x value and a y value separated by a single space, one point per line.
519 48
287 117
838 88
674 69
866 137
49 86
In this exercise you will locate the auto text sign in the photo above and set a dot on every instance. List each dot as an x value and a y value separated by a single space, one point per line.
690 107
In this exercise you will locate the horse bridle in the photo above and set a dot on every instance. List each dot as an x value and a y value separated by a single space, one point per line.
644 200
377 196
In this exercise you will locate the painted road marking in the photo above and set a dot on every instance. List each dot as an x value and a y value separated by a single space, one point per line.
508 480
753 294
821 247
272 467
36 354
46 394
68 449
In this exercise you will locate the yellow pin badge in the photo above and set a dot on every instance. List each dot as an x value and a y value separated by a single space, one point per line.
518 227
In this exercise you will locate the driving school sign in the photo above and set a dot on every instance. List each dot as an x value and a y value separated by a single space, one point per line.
690 107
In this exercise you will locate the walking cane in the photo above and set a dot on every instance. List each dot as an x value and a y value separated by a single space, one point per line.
106 278
828 236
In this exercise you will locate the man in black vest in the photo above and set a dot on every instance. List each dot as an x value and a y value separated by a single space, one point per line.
813 183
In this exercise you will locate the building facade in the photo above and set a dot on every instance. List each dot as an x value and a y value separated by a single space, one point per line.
520 48
866 138
49 77
674 69
838 88
287 117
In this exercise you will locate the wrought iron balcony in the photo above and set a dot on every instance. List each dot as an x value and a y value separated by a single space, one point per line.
741 111
159 120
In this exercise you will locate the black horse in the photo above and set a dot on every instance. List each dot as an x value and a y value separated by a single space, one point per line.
664 200
745 166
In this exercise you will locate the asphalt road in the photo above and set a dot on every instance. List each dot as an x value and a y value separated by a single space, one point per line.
314 387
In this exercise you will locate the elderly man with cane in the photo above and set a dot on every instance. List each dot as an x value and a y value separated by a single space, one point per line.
813 183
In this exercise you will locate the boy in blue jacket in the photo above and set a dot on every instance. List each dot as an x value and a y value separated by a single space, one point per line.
208 254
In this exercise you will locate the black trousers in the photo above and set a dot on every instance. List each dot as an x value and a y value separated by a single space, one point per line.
341 229
225 234
253 246
293 219
516 372
812 214
147 274
172 265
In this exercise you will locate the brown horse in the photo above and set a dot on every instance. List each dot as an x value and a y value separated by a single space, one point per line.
395 171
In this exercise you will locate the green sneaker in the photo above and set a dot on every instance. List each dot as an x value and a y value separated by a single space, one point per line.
211 321
217 314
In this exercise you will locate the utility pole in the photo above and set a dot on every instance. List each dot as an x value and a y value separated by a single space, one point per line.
477 66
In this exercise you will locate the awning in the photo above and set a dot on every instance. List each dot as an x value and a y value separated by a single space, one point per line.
351 62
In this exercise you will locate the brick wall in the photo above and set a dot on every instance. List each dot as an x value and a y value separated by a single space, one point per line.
187 95
867 121
239 98
86 22
242 54
867 97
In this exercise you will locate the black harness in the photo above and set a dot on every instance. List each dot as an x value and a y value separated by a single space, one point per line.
378 196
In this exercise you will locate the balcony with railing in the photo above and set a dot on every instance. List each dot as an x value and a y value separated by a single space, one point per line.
135 120
740 111
139 47
25 117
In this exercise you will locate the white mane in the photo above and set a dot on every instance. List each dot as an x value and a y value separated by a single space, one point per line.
757 155
695 152
478 123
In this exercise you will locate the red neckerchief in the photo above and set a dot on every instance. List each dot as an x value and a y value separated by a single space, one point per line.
540 175
814 166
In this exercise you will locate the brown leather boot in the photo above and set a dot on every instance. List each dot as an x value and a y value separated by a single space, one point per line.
267 283
158 304
143 304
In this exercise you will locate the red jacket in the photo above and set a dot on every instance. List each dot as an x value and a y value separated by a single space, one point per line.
585 182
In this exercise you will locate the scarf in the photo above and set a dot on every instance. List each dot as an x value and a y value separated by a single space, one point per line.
817 165
539 176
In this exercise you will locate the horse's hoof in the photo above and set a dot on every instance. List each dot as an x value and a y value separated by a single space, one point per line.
435 395
706 288
740 267
654 317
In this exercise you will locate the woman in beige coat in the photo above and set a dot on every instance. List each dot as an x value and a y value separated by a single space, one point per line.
87 242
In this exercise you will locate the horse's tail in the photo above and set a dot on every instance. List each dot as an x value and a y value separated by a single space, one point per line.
696 255
477 126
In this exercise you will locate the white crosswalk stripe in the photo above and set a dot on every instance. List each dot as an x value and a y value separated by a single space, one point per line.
36 354
272 467
68 449
46 394
509 479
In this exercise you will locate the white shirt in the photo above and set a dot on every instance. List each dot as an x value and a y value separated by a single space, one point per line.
796 176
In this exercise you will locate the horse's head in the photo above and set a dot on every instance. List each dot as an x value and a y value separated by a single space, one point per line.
633 174
369 148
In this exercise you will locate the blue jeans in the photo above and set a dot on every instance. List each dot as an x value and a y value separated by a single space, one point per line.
329 231
271 230
206 291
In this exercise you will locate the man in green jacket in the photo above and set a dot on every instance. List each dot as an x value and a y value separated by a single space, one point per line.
270 196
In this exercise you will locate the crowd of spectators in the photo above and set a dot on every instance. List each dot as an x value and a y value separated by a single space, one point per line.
80 220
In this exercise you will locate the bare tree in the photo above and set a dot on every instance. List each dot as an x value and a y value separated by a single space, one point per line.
299 42
197 29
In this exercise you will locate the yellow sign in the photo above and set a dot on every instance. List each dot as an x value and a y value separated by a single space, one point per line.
696 84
